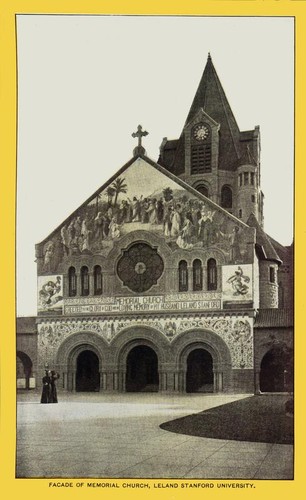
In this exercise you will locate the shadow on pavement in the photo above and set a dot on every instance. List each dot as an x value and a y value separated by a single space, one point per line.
257 419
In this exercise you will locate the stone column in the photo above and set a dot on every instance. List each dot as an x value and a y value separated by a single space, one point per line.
190 278
104 380
160 381
65 380
73 381
215 380
182 381
257 381
123 388
91 284
115 378
101 381
220 381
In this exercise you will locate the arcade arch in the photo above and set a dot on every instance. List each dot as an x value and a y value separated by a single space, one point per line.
24 370
203 362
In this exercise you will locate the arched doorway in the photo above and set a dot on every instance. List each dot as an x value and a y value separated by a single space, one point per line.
142 370
276 370
87 372
23 370
199 376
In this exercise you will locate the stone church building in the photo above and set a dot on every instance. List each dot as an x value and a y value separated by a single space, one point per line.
164 280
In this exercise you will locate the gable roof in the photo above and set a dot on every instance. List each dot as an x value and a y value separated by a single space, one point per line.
163 171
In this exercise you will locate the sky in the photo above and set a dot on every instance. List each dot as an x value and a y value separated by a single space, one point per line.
86 82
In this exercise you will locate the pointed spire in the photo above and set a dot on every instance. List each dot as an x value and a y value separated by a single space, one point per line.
211 97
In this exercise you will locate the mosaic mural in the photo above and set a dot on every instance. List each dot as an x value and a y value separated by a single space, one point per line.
235 331
50 294
237 283
143 198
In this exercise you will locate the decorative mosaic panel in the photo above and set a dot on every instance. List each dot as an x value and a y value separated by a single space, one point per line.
143 198
237 283
237 332
50 294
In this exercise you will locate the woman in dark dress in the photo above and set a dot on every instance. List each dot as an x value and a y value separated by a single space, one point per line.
53 392
46 388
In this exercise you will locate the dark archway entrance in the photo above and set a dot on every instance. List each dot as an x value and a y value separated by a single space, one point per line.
199 377
87 374
142 370
276 370
23 370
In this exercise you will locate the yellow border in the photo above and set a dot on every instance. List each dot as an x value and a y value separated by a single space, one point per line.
30 488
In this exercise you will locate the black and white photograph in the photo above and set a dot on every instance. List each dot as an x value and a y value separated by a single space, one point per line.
155 166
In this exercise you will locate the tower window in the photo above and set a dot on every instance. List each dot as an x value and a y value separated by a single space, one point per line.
211 274
240 213
183 276
246 178
272 275
84 281
240 179
72 282
97 280
252 178
200 159
253 198
197 275
203 190
226 197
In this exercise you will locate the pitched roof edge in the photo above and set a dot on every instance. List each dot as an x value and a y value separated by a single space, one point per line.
164 171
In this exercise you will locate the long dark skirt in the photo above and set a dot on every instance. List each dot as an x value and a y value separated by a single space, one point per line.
53 393
46 393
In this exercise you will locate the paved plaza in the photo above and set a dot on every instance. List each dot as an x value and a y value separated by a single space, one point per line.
118 436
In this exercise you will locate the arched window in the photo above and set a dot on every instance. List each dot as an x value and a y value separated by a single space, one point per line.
72 282
98 280
197 275
211 274
183 276
226 197
84 281
203 190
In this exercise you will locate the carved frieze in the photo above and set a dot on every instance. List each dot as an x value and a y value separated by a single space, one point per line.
236 332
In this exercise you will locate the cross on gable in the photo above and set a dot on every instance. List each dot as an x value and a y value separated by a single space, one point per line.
140 133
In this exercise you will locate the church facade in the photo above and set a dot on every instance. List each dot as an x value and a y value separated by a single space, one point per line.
164 279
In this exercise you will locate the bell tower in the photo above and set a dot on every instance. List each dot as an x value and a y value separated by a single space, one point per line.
213 155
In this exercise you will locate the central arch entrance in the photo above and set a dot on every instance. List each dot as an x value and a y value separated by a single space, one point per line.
87 372
142 370
199 376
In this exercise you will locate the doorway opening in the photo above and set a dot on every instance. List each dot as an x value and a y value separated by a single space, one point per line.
87 374
276 370
199 377
23 371
142 370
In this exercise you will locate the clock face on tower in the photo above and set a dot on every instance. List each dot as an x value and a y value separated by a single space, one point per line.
140 267
200 132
